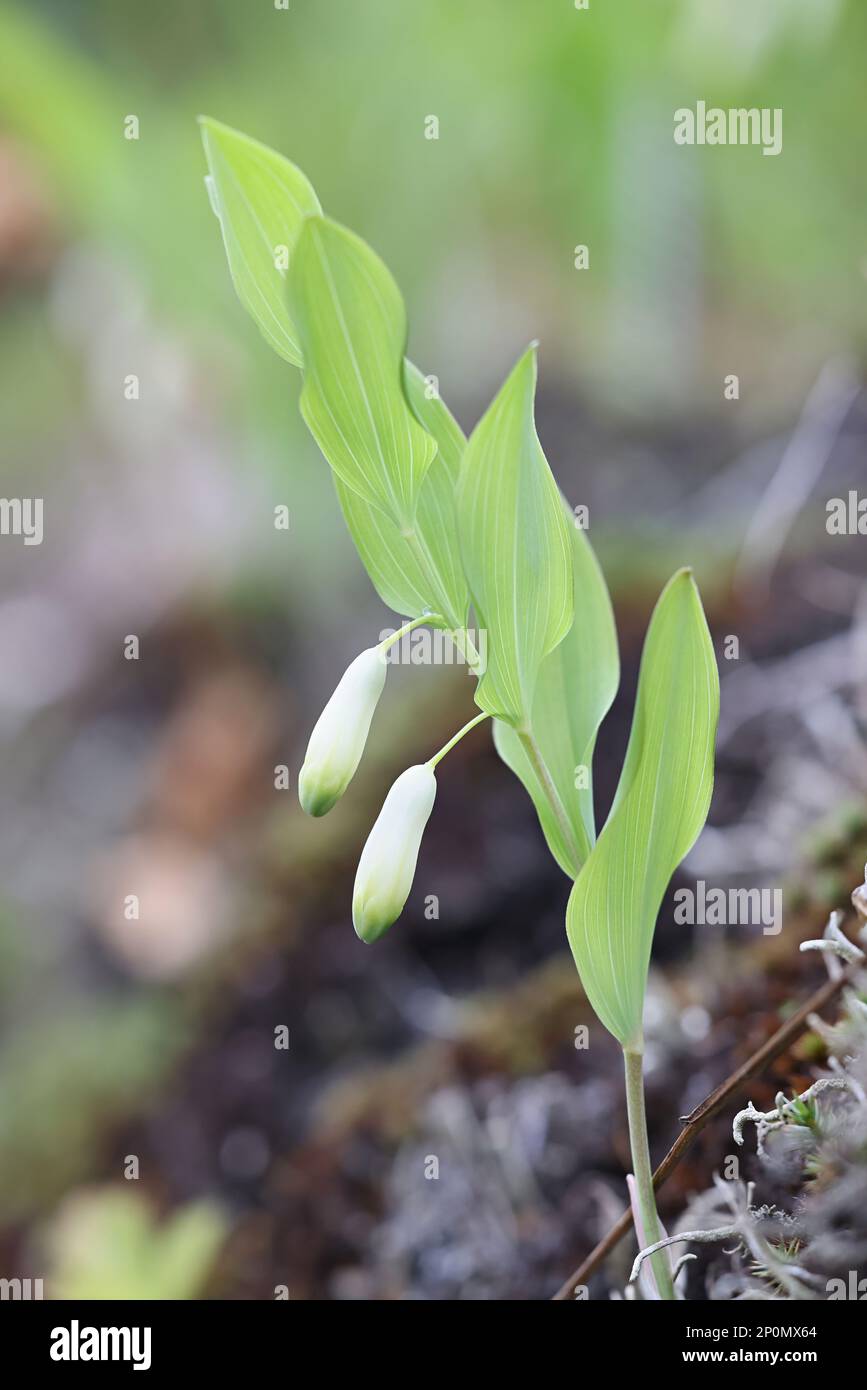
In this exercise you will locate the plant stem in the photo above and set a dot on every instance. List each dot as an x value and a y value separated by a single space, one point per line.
633 1062
408 627
456 738
467 648
540 767
695 1121
459 635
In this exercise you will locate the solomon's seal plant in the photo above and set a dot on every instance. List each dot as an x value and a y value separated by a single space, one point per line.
442 523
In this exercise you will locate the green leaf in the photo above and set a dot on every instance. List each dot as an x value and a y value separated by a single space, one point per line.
577 683
261 201
352 326
661 805
422 571
516 548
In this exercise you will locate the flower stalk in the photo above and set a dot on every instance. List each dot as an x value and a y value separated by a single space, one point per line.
456 738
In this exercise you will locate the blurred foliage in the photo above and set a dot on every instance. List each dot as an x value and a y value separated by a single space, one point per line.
107 1244
65 1079
555 127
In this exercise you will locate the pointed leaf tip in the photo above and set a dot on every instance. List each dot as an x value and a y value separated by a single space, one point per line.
263 200
659 810
352 326
516 546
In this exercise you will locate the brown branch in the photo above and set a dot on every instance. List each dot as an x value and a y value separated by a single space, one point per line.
695 1122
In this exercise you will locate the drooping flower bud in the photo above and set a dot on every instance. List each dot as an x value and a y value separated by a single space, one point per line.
387 864
340 733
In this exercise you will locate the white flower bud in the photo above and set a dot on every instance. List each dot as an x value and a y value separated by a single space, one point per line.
340 733
387 864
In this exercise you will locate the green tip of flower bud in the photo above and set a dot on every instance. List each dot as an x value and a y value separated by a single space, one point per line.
387 865
370 925
340 733
316 799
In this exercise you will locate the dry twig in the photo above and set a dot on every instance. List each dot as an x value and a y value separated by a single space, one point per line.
695 1122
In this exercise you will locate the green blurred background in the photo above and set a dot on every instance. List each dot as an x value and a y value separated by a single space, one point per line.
555 129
